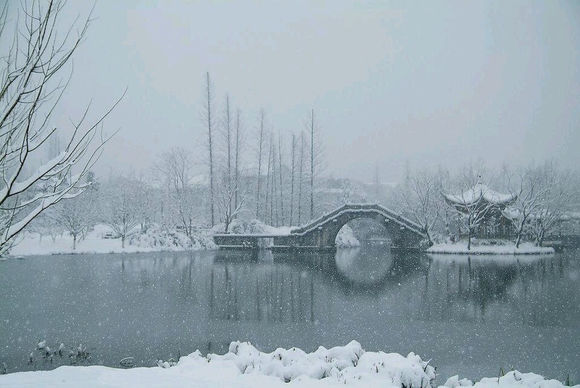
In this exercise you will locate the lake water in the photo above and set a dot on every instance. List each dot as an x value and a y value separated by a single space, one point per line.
471 316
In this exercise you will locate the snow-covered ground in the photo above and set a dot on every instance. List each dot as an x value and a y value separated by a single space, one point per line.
154 239
508 248
245 366
346 238
254 226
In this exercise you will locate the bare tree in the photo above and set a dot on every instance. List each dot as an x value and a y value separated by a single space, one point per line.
292 173
208 118
280 174
315 159
121 213
300 177
31 87
555 195
528 191
237 159
422 202
259 176
268 182
225 198
312 165
74 217
175 171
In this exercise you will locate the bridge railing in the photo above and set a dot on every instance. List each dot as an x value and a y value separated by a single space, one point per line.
364 207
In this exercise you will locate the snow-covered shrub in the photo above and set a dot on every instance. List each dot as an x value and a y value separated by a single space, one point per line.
157 237
344 364
239 226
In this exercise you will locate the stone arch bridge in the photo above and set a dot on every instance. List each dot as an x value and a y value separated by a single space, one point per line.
321 232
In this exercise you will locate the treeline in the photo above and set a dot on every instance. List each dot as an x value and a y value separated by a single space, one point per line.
542 197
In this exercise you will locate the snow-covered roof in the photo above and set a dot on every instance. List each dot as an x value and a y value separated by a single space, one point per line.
477 193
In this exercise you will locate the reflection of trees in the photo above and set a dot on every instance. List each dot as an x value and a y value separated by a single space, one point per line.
261 292
464 289
506 289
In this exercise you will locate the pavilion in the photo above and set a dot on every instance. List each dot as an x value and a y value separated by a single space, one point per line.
488 204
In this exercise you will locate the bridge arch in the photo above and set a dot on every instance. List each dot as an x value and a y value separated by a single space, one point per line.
321 233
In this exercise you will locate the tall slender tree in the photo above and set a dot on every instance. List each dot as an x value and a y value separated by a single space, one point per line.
259 176
300 177
237 160
268 183
292 178
281 184
312 164
227 127
209 121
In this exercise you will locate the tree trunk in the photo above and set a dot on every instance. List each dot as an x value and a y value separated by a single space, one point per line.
260 142
237 161
209 132
74 242
123 241
312 166
292 180
268 173
300 178
281 186
229 152
469 238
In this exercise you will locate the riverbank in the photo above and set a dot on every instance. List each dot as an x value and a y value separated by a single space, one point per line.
505 248
97 240
245 366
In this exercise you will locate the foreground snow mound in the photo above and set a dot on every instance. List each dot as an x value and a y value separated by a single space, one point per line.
246 366
511 379
346 238
342 364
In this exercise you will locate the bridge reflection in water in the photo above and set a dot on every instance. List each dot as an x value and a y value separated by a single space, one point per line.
280 287
511 311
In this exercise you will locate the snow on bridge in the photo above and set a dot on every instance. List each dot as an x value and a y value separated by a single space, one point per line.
321 232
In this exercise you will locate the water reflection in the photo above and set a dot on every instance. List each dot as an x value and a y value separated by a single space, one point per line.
470 314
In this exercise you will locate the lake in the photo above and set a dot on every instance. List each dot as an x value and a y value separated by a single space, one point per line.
469 315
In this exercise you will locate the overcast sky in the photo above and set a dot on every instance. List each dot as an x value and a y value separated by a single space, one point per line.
430 83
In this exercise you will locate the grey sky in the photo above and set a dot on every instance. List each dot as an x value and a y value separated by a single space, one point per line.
428 82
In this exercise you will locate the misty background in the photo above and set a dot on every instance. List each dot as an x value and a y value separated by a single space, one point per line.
394 84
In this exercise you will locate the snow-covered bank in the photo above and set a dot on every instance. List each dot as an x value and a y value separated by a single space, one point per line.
487 249
245 366
155 239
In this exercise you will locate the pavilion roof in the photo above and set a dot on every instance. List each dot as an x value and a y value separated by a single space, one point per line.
478 193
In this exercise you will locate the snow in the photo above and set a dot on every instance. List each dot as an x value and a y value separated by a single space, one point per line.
239 226
245 366
155 239
346 239
478 192
509 248
511 379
